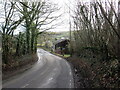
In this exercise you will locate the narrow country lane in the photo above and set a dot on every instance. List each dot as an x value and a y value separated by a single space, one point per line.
49 72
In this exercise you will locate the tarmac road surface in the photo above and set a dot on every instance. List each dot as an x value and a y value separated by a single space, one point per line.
49 72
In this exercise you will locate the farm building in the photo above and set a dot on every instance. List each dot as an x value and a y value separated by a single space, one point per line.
61 46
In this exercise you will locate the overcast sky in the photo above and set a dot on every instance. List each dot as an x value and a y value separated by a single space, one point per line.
64 26
64 4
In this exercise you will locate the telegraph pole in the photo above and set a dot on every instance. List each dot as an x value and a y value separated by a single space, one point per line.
70 33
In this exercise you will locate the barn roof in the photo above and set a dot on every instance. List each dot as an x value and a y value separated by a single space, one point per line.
61 40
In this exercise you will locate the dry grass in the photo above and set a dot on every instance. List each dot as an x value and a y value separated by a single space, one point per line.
18 65
100 74
19 62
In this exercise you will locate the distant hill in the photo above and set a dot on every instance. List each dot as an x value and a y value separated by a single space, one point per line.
52 37
60 35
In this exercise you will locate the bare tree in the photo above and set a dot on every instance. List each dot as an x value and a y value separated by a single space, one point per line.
31 15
